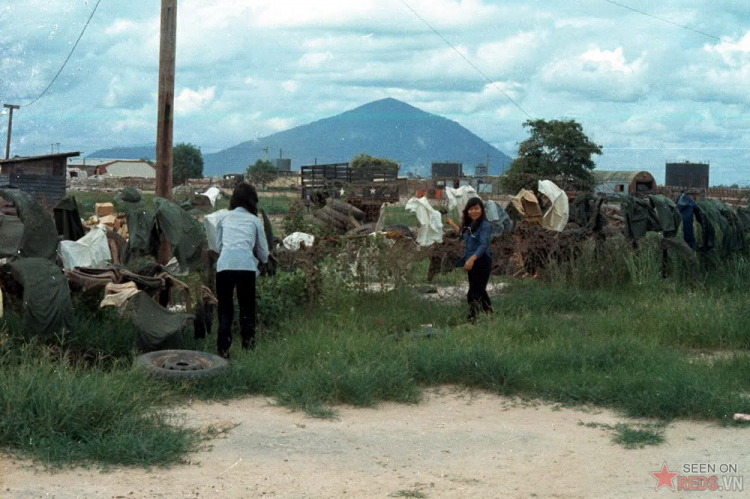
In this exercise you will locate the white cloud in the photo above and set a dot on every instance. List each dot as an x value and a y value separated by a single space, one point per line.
313 60
120 26
598 74
290 86
189 101
610 61
280 124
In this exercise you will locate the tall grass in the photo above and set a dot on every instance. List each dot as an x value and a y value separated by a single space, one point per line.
606 328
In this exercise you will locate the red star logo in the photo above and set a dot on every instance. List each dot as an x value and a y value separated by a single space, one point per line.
664 477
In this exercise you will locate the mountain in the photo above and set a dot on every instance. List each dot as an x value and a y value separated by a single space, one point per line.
137 152
386 128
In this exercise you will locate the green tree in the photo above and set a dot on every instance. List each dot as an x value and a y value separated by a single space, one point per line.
261 173
367 160
557 150
187 162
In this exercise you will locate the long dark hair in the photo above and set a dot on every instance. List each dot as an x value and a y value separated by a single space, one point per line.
245 196
466 221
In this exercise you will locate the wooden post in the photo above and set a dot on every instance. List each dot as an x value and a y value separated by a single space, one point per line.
167 50
10 107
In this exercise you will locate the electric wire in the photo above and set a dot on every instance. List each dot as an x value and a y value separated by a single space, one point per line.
67 58
663 20
467 60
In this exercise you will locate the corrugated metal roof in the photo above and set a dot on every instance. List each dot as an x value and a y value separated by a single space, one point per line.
20 159
617 176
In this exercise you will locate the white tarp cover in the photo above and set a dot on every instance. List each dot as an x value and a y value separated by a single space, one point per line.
292 241
213 193
91 250
381 218
457 198
557 215
431 223
210 223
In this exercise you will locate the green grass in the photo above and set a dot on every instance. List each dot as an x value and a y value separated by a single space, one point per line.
634 438
629 341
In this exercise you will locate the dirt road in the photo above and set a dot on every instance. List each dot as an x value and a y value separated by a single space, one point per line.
455 444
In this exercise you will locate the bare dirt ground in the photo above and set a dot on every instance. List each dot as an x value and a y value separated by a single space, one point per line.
455 444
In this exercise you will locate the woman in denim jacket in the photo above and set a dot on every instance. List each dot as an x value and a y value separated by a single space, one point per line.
475 230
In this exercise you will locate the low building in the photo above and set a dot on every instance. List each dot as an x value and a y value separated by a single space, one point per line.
687 175
127 168
447 170
623 182
43 177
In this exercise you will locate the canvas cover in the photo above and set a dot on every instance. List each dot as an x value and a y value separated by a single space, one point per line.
667 213
210 225
293 241
526 203
90 251
498 218
40 237
140 221
46 296
185 233
457 198
11 235
68 219
213 193
430 221
158 328
640 217
557 215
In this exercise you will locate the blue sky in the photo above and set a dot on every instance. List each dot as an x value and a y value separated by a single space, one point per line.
647 90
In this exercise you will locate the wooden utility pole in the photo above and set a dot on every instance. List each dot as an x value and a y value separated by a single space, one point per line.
10 107
167 50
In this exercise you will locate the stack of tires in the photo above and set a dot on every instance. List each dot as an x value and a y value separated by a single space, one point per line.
340 215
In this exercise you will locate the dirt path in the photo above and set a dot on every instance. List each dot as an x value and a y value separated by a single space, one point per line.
456 444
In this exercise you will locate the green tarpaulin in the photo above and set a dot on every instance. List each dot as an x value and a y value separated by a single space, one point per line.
185 233
40 237
158 328
723 218
140 221
667 214
640 217
68 219
11 235
46 295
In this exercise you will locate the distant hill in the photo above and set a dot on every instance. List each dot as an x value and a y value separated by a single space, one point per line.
125 153
387 128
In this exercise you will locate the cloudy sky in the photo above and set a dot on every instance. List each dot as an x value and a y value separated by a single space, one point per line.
647 90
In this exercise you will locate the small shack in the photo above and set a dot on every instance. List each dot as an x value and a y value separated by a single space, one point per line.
43 177
623 182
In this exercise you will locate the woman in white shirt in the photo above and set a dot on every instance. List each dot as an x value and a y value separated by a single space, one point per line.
242 243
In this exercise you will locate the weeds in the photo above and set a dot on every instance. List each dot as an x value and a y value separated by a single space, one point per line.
609 331
631 437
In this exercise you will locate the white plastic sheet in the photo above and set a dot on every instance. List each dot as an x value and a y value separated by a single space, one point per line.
292 241
90 251
210 223
431 223
213 193
557 215
457 198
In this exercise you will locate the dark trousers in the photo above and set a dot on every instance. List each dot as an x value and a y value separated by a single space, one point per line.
244 281
479 276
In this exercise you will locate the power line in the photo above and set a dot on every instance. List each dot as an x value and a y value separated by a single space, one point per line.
68 58
467 60
662 19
